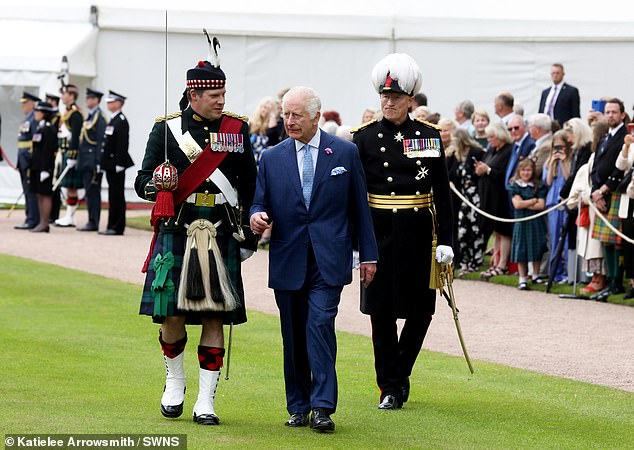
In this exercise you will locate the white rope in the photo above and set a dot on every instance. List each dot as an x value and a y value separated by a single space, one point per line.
539 214
502 219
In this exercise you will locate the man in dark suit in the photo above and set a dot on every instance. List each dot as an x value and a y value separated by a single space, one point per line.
605 178
561 100
312 188
408 185
115 159
92 135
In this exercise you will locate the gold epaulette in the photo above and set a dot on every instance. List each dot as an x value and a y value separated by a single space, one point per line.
428 124
361 127
169 116
245 119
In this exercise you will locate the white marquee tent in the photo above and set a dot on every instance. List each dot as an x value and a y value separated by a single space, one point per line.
466 50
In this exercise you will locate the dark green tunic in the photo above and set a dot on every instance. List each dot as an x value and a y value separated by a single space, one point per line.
240 170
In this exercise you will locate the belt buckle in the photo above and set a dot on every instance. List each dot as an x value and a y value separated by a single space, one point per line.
208 200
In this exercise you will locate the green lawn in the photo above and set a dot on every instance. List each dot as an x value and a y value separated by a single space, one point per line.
77 358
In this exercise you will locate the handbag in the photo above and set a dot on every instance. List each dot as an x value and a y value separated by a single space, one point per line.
584 217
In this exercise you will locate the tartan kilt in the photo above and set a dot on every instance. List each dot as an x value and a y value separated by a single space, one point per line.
174 241
529 240
73 178
600 230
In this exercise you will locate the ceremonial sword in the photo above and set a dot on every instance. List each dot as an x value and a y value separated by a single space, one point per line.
446 277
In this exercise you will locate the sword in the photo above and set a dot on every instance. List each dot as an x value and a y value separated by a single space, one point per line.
61 177
15 204
229 350
446 277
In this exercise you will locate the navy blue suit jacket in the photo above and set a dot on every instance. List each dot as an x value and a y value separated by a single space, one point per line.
567 104
338 203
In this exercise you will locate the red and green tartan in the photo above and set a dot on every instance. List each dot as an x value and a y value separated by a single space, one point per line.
600 231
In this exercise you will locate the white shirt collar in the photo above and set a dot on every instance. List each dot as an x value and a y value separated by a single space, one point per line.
314 142
613 131
558 86
523 184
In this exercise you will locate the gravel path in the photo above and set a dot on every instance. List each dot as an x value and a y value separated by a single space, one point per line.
581 340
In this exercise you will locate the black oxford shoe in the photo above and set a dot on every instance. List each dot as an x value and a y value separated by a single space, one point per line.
206 419
390 402
88 227
405 390
24 226
110 233
321 421
172 412
297 420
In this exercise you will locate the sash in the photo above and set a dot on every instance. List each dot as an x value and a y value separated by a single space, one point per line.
194 175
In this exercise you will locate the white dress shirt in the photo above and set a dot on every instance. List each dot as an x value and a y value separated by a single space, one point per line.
314 151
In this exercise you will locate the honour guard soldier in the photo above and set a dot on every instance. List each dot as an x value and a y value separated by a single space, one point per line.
53 100
25 134
408 192
43 162
115 159
68 141
92 135
193 269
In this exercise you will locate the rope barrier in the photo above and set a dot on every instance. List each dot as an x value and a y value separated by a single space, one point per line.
6 158
539 214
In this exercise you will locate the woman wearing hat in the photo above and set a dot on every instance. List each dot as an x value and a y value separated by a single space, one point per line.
43 162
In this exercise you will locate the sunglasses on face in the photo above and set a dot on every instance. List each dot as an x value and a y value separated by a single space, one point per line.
513 128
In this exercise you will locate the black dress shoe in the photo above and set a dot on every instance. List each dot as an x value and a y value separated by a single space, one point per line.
605 293
172 412
206 419
24 226
629 294
88 227
110 233
390 402
40 229
320 421
405 390
297 420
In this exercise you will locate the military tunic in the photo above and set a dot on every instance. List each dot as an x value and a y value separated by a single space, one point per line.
25 149
407 159
44 147
240 170
68 141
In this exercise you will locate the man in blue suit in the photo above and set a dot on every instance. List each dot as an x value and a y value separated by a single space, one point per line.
312 187
522 147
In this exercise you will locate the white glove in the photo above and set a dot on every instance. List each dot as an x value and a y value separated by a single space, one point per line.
98 168
444 254
44 175
71 163
245 254
119 169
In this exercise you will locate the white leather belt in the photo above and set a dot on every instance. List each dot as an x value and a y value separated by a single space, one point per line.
206 200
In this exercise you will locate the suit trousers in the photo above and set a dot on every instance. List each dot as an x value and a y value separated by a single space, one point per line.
92 183
31 209
116 200
394 357
307 318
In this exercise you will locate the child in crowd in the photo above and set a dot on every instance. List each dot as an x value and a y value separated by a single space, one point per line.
529 237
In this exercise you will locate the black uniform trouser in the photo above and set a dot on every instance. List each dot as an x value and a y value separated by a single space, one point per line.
627 226
92 184
394 357
116 200
31 209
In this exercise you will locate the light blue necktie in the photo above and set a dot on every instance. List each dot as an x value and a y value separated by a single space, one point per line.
307 175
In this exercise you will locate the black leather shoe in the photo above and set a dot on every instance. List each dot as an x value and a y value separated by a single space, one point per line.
88 227
110 233
405 390
390 402
297 420
206 419
24 226
629 294
605 293
40 229
320 421
172 412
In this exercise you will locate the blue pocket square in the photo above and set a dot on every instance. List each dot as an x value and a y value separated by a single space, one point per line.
337 171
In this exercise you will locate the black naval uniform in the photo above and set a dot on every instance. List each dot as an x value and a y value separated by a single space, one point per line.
403 160
57 198
114 152
92 135
44 148
239 168
25 148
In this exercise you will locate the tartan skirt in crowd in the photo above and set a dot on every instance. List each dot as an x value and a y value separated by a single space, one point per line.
174 241
600 231
529 238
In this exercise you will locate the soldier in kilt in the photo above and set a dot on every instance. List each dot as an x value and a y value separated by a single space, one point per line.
605 178
408 188
193 270
68 141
